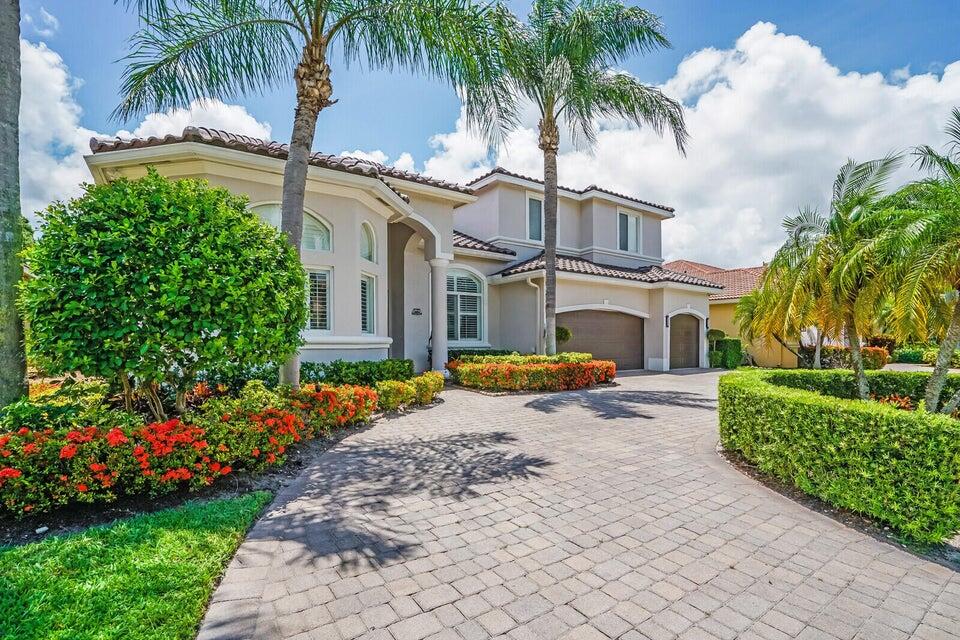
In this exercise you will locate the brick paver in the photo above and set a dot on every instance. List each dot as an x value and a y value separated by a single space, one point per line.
597 514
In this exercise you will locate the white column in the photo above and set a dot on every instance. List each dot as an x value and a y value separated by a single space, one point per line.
438 310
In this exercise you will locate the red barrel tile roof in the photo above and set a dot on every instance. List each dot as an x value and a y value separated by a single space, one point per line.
569 264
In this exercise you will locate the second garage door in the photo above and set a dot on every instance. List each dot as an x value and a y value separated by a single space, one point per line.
608 335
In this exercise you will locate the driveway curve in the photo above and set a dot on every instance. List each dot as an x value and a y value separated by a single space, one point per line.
585 515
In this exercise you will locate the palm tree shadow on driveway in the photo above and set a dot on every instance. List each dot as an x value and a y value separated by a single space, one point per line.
352 509
608 404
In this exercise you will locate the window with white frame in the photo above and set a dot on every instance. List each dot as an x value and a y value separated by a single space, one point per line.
534 218
464 307
630 232
316 235
368 244
367 304
318 300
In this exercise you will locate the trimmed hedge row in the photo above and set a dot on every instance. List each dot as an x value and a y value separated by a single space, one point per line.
832 357
362 372
505 376
727 353
422 389
841 383
516 358
900 467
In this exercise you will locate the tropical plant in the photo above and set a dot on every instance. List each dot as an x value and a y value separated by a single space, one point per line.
13 361
563 61
190 49
152 281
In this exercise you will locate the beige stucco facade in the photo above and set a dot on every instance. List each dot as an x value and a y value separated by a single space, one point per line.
416 256
774 355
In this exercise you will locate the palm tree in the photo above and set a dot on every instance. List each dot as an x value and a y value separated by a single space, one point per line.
13 363
562 60
189 49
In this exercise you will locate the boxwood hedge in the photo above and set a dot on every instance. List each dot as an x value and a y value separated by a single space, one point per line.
900 467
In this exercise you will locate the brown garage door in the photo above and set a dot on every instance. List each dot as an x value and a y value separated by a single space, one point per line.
684 341
608 335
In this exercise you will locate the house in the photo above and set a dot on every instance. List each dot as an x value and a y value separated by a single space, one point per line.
736 284
392 254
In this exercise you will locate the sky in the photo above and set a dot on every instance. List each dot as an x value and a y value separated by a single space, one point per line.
777 96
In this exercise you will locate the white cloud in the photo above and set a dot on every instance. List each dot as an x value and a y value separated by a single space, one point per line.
201 113
404 161
771 121
53 142
45 26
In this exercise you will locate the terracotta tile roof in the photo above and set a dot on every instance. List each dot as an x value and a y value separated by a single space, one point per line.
502 171
271 149
463 241
569 264
736 282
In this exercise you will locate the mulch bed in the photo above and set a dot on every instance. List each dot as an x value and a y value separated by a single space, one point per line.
946 554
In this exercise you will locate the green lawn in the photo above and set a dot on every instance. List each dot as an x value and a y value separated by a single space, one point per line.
145 577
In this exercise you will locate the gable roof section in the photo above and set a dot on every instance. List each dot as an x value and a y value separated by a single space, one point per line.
569 264
501 171
218 138
736 282
464 241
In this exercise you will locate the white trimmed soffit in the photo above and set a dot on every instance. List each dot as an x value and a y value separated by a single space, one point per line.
603 307
411 186
264 169
583 277
575 251
480 253
573 195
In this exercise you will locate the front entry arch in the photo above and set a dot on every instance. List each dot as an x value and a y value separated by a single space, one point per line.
684 341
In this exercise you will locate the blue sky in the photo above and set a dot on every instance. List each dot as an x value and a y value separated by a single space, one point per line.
777 95
399 112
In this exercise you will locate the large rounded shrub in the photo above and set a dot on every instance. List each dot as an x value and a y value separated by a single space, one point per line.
150 281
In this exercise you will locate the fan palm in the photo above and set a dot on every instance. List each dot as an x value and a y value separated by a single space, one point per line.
14 365
562 61
189 49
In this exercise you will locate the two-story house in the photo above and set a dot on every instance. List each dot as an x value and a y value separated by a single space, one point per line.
393 255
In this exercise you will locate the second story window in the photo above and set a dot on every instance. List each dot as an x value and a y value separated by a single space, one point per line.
368 243
534 219
316 234
629 232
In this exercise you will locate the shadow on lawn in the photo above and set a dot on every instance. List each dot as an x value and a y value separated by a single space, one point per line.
610 404
323 518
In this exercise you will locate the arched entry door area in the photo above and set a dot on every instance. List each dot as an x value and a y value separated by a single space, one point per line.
684 341
608 335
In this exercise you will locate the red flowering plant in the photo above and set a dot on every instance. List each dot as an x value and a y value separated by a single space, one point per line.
560 376
325 408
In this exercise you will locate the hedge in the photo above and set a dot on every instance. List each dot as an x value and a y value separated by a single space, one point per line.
901 467
42 467
841 383
423 389
457 354
832 357
516 358
912 354
362 372
729 353
504 376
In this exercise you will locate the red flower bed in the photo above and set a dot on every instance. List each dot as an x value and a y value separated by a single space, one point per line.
533 377
42 469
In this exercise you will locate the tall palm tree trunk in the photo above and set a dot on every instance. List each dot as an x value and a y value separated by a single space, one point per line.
931 398
550 143
856 360
313 95
818 350
13 364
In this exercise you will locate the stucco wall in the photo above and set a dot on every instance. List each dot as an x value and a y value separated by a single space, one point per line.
519 310
578 293
773 355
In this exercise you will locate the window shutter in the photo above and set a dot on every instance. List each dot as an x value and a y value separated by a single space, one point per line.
318 293
451 316
366 305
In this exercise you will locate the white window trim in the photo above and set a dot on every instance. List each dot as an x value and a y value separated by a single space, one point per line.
639 226
315 333
373 239
316 216
484 301
374 305
526 216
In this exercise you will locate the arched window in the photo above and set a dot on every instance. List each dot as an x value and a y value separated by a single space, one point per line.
368 243
316 234
464 306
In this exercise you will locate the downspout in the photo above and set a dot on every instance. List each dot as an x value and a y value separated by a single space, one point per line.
541 319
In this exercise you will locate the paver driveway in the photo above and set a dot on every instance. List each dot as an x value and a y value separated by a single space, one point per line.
596 514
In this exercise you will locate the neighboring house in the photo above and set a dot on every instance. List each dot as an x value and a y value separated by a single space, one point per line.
391 254
736 284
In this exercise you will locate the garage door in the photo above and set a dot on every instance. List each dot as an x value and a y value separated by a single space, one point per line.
608 335
684 341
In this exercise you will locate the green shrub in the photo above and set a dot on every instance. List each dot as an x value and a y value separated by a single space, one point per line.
393 394
73 404
457 354
834 357
155 280
427 386
911 353
563 335
234 375
532 376
900 467
883 340
713 335
840 383
732 352
716 359
364 372
930 357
